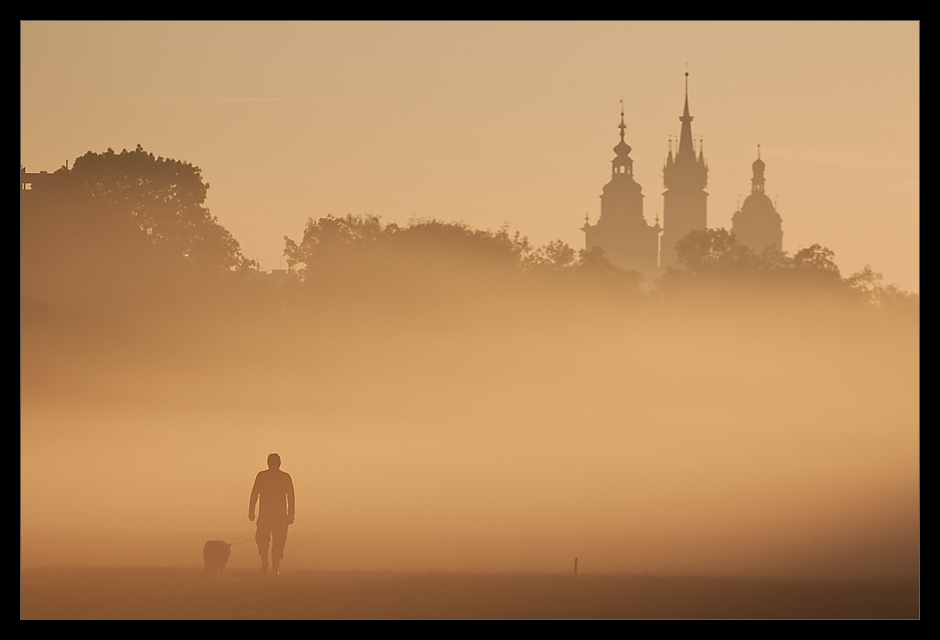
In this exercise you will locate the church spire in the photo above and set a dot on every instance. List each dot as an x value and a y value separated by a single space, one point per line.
623 127
622 162
685 177
686 146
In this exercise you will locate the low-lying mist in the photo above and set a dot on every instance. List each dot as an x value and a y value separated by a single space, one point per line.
442 396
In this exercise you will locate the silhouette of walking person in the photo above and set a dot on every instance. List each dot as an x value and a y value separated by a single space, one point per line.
275 512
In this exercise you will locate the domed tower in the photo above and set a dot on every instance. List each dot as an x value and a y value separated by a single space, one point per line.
757 224
622 232
684 177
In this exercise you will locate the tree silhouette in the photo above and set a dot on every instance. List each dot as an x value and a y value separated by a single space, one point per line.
867 285
138 199
713 257
817 262
556 255
714 251
362 242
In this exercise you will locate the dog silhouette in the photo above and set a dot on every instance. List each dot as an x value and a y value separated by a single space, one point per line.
216 554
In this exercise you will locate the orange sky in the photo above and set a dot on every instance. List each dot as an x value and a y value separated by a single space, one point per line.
496 122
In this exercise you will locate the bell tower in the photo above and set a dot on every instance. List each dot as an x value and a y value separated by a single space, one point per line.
622 232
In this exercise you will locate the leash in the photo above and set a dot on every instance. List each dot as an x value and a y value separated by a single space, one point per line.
242 542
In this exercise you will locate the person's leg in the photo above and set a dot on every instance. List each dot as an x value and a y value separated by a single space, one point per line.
279 539
261 537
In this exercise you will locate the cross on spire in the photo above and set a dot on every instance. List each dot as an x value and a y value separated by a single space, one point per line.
623 127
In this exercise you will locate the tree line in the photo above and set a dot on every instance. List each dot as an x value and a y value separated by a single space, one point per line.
133 216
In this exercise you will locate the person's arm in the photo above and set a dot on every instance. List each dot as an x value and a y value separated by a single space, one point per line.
290 500
253 499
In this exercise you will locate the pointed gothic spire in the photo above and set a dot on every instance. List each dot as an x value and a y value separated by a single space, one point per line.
686 148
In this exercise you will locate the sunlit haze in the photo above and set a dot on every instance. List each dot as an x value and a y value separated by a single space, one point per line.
460 277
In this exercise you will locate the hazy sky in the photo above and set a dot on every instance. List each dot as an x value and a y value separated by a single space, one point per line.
496 122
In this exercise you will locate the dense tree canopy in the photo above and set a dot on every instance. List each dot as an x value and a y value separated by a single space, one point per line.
431 250
134 197
330 238
714 254
713 257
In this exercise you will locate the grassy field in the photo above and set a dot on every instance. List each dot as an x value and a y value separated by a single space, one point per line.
185 593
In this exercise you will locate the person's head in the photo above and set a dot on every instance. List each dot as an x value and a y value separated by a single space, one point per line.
274 461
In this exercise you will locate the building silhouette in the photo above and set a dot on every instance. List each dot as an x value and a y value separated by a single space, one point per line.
684 177
630 243
627 240
757 224
29 181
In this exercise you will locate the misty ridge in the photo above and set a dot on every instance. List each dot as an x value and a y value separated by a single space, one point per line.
741 396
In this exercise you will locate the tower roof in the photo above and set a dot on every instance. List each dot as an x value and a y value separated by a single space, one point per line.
757 182
622 148
758 205
758 165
